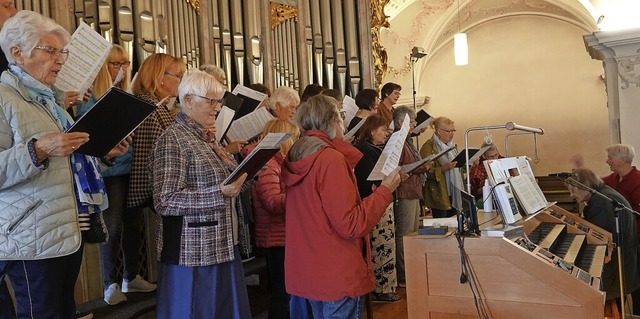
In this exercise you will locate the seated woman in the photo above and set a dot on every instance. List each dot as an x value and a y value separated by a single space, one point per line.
327 223
199 270
600 211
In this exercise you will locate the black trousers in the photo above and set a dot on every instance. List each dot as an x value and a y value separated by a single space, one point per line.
279 306
44 288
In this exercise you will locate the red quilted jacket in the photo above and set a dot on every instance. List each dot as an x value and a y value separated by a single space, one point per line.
269 201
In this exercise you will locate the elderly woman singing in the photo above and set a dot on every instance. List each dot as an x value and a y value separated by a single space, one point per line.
200 273
44 185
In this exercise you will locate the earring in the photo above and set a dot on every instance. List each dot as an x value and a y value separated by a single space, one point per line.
161 83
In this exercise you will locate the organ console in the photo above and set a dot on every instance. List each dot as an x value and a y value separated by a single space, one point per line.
553 270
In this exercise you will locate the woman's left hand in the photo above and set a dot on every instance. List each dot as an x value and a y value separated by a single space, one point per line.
121 148
233 189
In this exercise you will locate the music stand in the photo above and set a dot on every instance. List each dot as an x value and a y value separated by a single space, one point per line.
508 126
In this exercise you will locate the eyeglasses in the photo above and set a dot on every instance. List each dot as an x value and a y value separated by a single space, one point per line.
212 102
179 76
343 114
448 131
118 65
54 53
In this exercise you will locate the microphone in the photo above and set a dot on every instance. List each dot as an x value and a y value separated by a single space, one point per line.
563 175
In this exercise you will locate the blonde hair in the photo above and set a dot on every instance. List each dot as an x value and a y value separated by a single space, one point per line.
149 77
103 81
440 122
282 126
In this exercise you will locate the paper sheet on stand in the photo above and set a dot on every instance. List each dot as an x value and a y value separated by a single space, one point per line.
390 156
87 52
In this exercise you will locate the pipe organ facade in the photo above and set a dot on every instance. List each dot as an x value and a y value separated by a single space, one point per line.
281 42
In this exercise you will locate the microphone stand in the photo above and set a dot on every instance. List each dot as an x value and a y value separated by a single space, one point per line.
617 208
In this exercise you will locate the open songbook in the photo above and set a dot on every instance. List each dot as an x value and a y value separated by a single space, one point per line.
390 157
411 167
423 119
350 109
249 126
251 99
264 151
354 130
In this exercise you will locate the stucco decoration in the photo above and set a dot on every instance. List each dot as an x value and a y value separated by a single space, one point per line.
629 70
378 20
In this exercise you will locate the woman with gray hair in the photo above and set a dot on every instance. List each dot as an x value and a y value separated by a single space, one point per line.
327 255
44 185
199 270
600 211
284 102
407 207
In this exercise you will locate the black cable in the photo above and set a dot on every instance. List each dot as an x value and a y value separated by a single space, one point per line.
464 259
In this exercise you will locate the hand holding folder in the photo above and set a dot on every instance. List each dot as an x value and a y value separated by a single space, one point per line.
114 117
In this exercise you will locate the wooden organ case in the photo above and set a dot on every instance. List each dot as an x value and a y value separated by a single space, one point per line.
552 271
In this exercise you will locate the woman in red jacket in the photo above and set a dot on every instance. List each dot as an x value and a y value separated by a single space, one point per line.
327 252
268 201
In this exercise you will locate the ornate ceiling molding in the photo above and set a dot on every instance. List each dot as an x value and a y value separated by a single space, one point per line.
281 13
195 4
434 25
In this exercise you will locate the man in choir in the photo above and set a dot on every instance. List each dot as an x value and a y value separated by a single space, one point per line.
625 179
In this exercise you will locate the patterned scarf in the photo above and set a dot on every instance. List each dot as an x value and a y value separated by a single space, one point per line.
208 136
453 176
90 191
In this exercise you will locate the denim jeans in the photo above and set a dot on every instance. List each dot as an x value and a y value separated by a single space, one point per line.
124 225
345 308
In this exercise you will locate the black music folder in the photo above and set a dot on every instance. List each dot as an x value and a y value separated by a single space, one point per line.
114 116
264 151
474 155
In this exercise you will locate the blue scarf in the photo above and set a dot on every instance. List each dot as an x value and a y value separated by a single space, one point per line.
91 195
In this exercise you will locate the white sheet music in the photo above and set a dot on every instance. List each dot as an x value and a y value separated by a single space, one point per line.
390 156
528 194
253 94
223 121
87 52
422 125
249 126
350 107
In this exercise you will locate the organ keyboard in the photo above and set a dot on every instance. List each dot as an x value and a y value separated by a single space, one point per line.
569 242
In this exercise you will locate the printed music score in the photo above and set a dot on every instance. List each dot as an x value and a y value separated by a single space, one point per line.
87 52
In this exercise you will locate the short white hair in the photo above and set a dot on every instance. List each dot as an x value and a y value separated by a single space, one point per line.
622 151
283 95
25 29
196 82
214 70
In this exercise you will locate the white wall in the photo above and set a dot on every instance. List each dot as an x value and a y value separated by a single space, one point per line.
532 70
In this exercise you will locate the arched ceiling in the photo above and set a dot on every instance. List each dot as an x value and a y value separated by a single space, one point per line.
435 21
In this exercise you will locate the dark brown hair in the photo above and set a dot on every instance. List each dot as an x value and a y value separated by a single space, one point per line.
370 123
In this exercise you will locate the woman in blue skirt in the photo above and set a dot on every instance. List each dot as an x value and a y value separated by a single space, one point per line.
200 274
